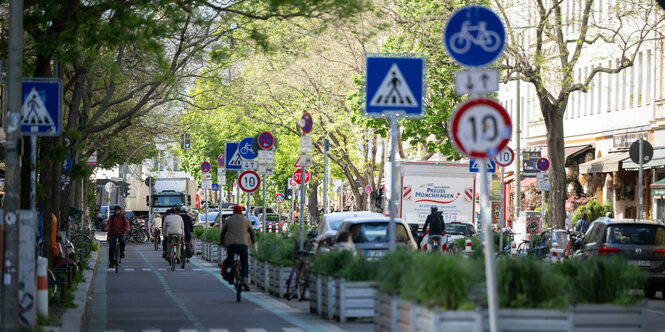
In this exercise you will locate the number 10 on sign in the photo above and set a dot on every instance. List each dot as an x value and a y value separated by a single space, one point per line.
249 181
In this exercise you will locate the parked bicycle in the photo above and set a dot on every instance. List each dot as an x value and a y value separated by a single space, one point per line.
299 271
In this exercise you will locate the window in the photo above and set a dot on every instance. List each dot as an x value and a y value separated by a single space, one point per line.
376 233
636 234
599 90
623 89
609 87
586 95
579 96
631 92
640 67
647 90
592 233
617 88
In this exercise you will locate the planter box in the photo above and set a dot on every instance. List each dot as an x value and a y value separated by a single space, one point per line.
354 299
265 282
393 314
221 254
198 246
328 295
278 277
204 250
214 252
314 293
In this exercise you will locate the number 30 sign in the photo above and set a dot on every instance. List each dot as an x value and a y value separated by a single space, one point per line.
481 128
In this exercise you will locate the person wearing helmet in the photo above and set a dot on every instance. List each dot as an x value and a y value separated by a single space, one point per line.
187 222
237 235
436 229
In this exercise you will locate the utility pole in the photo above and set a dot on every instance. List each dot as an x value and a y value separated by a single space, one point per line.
518 157
13 169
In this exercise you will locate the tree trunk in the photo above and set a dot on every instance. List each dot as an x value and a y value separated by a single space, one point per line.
313 203
50 181
557 157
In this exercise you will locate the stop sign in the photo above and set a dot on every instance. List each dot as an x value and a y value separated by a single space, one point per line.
296 176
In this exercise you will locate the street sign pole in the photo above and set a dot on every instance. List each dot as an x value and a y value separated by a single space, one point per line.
238 188
393 182
485 213
501 221
301 214
542 204
639 187
264 203
326 144
205 194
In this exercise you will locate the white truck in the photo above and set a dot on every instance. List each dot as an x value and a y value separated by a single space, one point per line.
171 193
448 186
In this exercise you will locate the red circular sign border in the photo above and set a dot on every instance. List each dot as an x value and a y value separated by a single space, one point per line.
257 177
209 167
309 120
299 171
467 105
511 159
546 168
271 136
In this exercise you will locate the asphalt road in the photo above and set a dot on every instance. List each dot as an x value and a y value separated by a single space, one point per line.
147 296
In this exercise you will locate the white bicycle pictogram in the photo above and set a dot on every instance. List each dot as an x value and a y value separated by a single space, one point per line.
247 148
460 42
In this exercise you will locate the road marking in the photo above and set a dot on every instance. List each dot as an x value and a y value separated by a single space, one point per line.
256 330
188 330
161 269
111 269
152 330
218 330
129 269
197 269
146 269
292 329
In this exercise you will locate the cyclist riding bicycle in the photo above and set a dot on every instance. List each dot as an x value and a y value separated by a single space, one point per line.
173 225
117 225
237 235
436 229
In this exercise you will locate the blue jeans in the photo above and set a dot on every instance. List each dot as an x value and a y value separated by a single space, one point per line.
240 249
112 247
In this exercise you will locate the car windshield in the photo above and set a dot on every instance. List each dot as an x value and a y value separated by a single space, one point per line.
169 200
211 216
636 234
457 228
376 233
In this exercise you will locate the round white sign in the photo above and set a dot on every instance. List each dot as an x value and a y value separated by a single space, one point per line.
249 181
109 186
481 128
505 157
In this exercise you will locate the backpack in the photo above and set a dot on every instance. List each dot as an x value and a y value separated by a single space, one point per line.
226 272
437 225
189 251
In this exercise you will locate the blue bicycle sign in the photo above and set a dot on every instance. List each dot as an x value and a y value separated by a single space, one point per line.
245 148
474 36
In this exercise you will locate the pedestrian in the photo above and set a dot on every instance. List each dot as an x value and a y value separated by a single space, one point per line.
117 225
582 224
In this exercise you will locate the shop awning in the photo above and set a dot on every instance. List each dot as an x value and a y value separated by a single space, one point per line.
658 160
606 164
574 151
525 183
658 188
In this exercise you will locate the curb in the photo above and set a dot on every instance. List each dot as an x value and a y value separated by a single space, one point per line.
73 319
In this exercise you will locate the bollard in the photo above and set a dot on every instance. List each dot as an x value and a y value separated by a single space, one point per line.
42 287
513 249
467 247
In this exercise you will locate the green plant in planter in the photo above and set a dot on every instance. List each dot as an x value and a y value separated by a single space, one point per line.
211 235
391 268
330 263
283 251
198 232
266 245
601 280
359 269
527 282
460 244
442 280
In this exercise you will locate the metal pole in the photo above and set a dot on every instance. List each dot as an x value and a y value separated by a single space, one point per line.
150 215
393 182
248 212
264 203
238 188
518 157
326 145
13 169
501 212
205 195
485 213
301 214
542 204
639 186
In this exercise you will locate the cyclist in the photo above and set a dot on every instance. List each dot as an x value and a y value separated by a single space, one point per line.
237 235
436 228
189 226
156 223
117 225
173 225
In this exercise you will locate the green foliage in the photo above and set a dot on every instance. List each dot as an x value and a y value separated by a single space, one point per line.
211 235
332 262
391 269
593 210
601 280
527 283
266 244
359 269
460 244
198 232
95 245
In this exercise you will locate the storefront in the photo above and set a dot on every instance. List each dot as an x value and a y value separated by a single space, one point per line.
658 194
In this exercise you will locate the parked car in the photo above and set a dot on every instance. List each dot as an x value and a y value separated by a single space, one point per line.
642 242
456 230
329 223
221 217
259 209
369 235
202 217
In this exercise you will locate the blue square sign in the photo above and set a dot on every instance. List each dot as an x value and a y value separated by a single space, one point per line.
394 86
41 107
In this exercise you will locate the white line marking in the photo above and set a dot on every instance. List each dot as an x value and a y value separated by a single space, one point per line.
147 269
197 269
152 330
218 330
111 269
292 329
256 330
188 330
130 269
161 269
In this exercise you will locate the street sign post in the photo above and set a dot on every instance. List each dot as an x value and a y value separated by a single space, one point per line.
474 166
542 164
245 148
279 198
640 152
474 36
394 86
296 176
481 128
109 187
233 158
306 123
220 160
529 159
266 140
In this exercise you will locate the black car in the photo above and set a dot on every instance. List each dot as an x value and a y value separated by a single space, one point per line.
642 242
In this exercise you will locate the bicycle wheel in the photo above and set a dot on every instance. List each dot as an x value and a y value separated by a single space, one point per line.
117 255
523 248
303 282
52 283
183 258
238 282
83 245
156 243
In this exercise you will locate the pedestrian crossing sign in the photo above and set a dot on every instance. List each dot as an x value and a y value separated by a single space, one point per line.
394 86
41 106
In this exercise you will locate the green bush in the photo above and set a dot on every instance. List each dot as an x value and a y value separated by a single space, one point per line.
265 246
600 280
198 232
593 210
527 283
391 267
283 252
359 269
211 235
460 244
330 263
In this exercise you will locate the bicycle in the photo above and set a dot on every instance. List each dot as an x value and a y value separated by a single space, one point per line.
183 253
116 252
156 238
236 271
300 269
174 251
486 39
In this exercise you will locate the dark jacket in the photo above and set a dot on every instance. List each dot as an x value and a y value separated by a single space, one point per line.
436 224
237 230
117 225
189 226
582 225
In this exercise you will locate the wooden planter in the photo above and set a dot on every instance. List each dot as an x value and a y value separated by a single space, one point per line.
393 314
204 250
278 276
328 295
314 293
214 252
198 246
354 299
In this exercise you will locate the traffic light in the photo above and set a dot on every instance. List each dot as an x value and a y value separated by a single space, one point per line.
288 192
186 141
125 189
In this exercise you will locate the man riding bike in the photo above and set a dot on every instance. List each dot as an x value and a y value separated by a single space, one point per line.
237 235
117 225
173 225
436 229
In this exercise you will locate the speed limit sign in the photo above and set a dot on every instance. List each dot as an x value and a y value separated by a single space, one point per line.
505 157
249 181
481 128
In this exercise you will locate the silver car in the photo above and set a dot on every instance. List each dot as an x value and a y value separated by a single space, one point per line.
369 235
327 230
